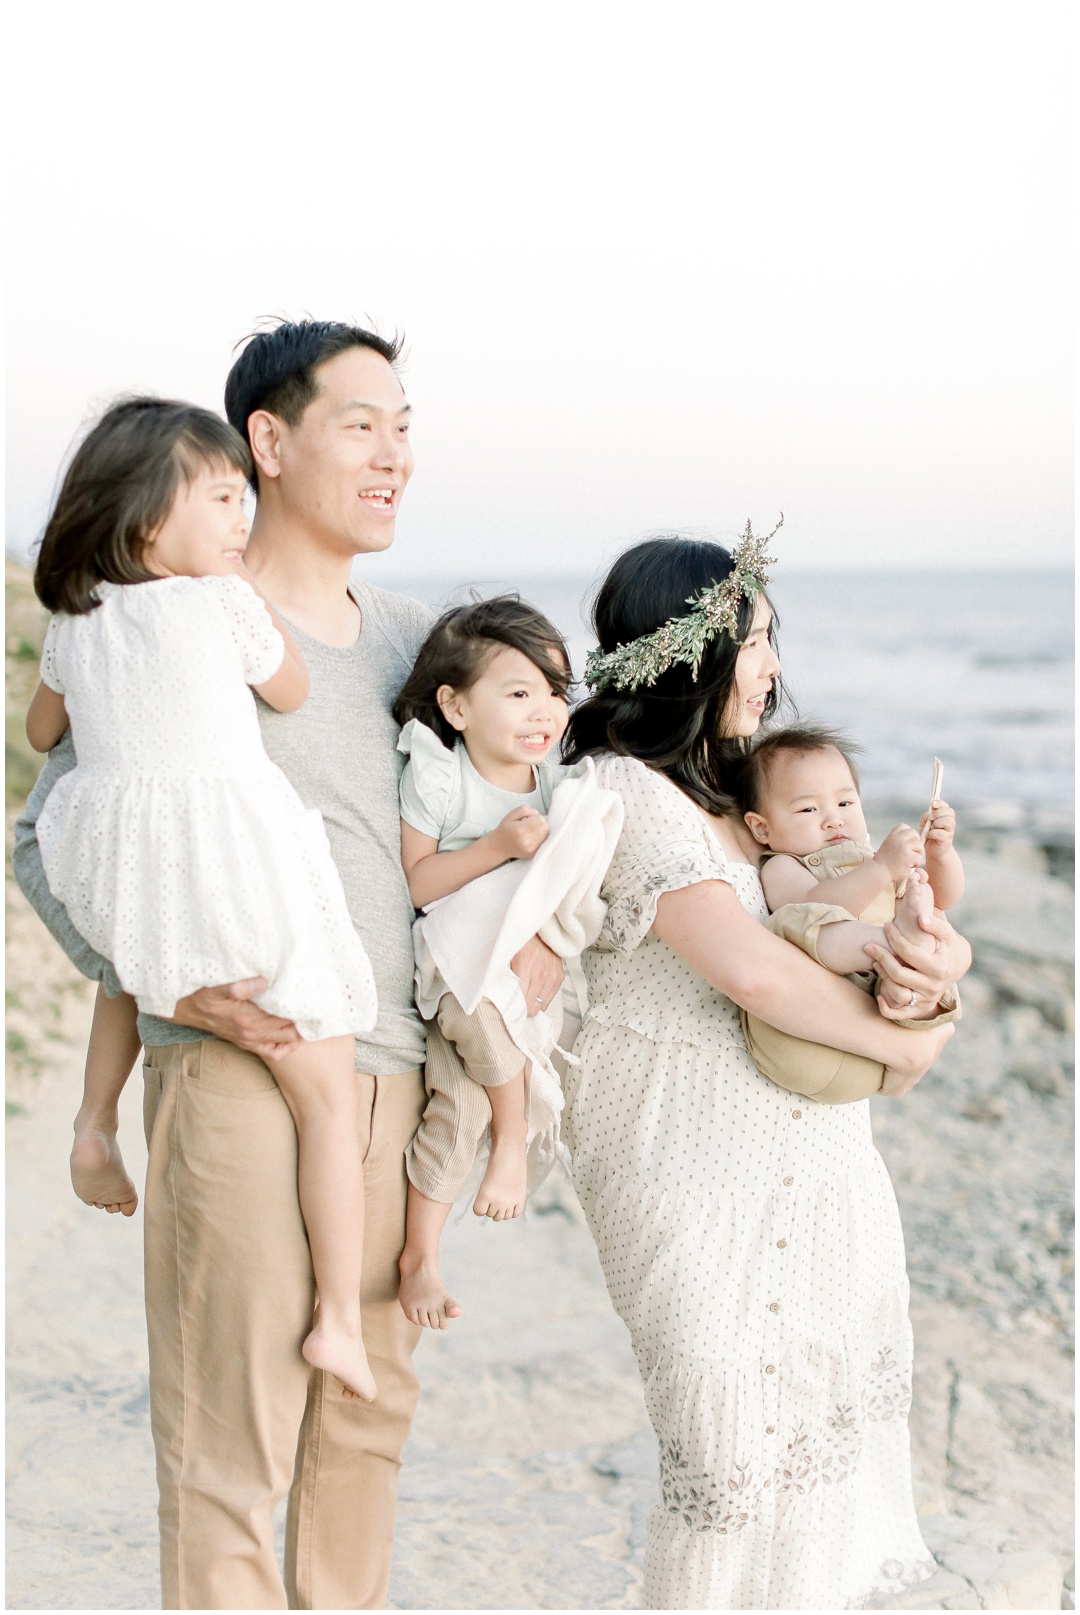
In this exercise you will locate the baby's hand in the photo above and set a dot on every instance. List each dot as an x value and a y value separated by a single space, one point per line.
942 827
521 833
900 851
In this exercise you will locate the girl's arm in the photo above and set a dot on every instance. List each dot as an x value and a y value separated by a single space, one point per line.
288 688
432 874
46 719
709 928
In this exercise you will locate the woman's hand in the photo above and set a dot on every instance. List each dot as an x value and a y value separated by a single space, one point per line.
906 970
901 1076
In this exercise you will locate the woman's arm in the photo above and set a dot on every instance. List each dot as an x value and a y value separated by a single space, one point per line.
46 718
708 927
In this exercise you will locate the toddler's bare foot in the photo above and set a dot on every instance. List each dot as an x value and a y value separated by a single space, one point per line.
342 1354
502 1193
917 902
98 1174
424 1297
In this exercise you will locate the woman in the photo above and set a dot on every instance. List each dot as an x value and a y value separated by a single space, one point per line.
750 1239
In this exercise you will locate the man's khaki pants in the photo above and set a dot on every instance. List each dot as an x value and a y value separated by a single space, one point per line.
237 1415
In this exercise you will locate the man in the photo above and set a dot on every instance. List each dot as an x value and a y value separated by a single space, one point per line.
236 1413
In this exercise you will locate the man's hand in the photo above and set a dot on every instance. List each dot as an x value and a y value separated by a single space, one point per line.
906 970
540 974
900 1079
900 852
228 1013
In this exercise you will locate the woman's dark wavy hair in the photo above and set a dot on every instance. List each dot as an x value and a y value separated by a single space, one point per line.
674 724
461 644
119 488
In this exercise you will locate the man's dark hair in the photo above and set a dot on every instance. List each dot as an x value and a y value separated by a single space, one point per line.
675 724
276 370
798 740
462 643
119 488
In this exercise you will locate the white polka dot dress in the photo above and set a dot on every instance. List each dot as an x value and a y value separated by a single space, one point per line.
752 1245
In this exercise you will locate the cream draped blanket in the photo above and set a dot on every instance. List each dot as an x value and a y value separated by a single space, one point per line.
464 943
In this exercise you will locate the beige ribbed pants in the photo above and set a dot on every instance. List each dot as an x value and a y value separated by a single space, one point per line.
466 1054
237 1416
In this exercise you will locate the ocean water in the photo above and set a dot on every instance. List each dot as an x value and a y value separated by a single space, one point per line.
973 667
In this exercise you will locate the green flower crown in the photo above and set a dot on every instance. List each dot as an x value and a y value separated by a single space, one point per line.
683 639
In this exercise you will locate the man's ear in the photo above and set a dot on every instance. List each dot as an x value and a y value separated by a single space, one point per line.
264 436
758 828
450 706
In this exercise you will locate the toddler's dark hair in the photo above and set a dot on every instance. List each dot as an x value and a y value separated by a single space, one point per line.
461 644
798 739
119 488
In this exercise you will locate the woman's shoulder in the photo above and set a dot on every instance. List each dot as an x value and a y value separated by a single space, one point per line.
643 788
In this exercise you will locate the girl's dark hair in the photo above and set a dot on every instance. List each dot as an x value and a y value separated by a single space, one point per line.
119 488
461 644
674 724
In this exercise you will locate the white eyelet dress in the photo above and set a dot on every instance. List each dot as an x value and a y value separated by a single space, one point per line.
181 852
751 1243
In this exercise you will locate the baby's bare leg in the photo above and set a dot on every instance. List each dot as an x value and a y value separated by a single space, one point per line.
917 902
840 945
320 1089
502 1193
98 1174
423 1296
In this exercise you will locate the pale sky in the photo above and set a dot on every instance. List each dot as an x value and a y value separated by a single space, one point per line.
666 266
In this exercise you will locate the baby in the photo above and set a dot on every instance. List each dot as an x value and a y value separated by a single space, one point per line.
801 800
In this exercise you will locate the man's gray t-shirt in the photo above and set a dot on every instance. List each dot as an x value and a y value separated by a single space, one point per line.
340 753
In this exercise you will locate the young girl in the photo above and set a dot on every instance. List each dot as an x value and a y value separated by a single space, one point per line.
830 893
180 851
482 709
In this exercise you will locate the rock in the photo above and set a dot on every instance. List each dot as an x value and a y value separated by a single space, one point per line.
1023 1580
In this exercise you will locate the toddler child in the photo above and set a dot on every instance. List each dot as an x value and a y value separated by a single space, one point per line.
830 893
482 710
181 852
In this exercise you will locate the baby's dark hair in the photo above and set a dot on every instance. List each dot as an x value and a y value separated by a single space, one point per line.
798 739
461 644
119 488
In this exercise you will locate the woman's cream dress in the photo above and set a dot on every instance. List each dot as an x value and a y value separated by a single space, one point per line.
752 1245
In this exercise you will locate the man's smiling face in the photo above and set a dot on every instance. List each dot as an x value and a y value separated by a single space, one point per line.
344 466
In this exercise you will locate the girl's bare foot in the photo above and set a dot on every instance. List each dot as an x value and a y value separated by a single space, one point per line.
424 1297
341 1353
98 1174
502 1193
917 902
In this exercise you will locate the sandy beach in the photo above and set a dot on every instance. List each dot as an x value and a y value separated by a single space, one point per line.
531 1467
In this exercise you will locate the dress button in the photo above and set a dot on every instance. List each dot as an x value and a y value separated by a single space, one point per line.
781 1244
814 859
774 1306
788 1182
770 1429
796 1114
770 1368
